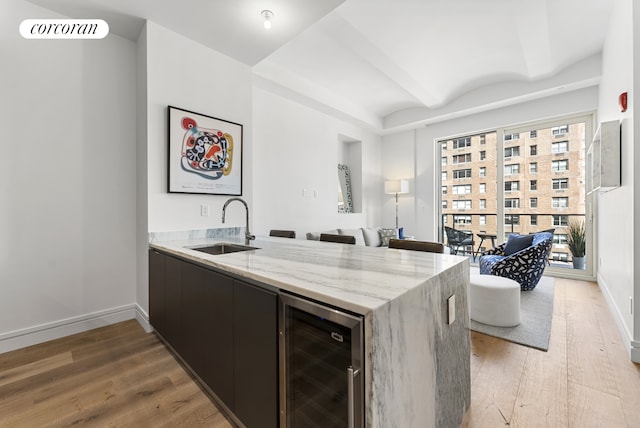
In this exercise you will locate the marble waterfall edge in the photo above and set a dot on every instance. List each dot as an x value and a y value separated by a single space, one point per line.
420 374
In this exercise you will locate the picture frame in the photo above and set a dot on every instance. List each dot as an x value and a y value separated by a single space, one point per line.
204 154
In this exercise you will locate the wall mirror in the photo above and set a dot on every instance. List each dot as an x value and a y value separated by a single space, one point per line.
345 198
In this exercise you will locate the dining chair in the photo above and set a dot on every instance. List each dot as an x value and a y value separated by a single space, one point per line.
405 244
282 233
341 239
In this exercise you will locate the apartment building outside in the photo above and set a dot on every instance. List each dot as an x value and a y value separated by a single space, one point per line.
541 184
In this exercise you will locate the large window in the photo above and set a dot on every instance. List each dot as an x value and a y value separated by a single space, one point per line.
518 180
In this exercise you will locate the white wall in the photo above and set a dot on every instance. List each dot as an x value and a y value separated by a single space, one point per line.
188 75
297 148
414 152
67 181
619 239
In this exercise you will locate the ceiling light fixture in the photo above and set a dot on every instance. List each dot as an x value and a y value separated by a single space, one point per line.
267 15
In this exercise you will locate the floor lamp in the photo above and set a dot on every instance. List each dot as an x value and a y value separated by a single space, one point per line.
396 187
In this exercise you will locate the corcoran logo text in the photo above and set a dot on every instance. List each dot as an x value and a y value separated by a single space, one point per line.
64 29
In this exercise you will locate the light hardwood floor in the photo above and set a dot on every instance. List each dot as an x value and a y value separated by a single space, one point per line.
585 379
119 376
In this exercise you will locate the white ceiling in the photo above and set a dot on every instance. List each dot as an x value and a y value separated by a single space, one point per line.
385 63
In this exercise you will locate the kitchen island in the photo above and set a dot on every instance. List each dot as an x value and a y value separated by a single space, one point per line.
416 350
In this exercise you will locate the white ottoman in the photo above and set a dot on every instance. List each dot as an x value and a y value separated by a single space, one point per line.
494 300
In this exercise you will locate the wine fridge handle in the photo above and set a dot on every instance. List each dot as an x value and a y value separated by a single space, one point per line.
351 374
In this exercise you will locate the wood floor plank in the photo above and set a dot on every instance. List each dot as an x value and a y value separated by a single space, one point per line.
591 408
588 362
30 369
502 366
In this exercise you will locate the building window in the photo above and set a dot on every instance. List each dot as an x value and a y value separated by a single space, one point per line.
512 202
533 134
559 130
443 146
560 183
512 169
511 186
511 219
512 151
559 147
533 167
533 150
534 220
461 219
483 155
559 257
483 220
460 143
562 202
509 137
533 202
483 172
483 204
483 139
444 190
561 220
444 175
462 189
444 160
560 239
461 204
560 165
462 173
533 185
445 205
483 188
456 159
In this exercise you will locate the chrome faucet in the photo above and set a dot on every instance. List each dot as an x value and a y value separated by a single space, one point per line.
247 235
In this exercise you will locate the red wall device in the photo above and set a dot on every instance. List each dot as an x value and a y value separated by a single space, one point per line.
622 100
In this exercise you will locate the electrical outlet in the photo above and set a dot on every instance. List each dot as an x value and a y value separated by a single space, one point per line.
204 210
452 309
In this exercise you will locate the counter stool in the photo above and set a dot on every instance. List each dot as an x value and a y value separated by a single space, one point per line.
494 300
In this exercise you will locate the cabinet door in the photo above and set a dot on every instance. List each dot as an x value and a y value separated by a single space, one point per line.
157 312
256 356
208 328
173 304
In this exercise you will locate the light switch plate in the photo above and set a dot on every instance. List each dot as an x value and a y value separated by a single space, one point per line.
204 210
452 309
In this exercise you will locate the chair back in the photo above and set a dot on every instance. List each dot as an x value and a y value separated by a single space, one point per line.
283 233
340 239
404 244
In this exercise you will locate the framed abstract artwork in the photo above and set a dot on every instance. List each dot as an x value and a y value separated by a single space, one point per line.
205 154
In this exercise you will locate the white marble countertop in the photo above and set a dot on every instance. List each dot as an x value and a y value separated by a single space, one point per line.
353 277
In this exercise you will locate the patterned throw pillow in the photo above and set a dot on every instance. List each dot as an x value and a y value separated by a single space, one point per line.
386 234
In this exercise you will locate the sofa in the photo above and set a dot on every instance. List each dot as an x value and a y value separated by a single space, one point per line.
369 236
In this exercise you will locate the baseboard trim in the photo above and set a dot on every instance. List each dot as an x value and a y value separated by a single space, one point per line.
632 346
43 333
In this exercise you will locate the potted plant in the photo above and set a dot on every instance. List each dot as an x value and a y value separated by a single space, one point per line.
576 240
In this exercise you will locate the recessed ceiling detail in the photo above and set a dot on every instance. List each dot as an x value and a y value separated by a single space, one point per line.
370 61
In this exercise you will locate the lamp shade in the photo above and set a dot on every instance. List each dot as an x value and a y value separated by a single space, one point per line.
396 186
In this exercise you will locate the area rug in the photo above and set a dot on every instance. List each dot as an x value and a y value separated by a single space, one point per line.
536 313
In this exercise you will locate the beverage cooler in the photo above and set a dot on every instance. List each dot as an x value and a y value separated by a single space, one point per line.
321 365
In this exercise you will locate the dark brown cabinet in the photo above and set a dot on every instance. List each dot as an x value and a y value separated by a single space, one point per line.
256 363
207 323
225 330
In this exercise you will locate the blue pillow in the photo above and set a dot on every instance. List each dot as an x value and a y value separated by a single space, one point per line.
517 243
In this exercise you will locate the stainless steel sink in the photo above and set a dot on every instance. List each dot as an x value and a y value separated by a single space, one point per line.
224 248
